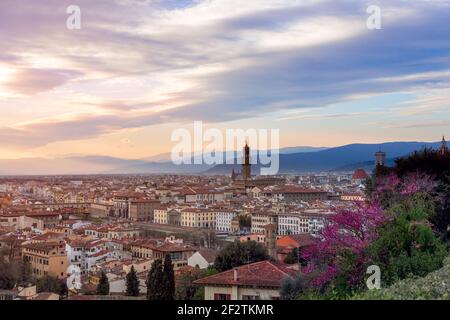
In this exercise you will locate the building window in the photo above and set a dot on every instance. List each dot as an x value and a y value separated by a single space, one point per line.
222 296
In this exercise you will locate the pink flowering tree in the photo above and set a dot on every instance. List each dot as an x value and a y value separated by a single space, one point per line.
391 189
338 258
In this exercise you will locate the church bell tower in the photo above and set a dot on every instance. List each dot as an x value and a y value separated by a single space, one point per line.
246 166
444 148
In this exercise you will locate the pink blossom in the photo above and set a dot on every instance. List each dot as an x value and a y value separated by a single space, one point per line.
349 231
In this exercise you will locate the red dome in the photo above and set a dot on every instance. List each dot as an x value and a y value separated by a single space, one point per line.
360 174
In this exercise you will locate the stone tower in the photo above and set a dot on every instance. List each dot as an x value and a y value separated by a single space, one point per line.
444 148
233 175
270 232
246 166
380 158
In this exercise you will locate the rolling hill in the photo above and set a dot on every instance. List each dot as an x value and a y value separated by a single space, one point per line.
344 158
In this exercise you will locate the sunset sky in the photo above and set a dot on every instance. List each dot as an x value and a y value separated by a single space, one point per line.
138 69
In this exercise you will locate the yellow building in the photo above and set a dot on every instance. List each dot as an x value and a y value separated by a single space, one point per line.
160 216
47 258
143 250
198 218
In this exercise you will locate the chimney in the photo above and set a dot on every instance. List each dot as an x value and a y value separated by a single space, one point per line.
235 274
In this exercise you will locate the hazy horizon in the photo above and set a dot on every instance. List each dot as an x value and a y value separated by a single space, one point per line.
74 155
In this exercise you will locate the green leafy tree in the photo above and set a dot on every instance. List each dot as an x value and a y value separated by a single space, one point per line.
103 285
25 276
211 271
7 277
408 246
185 287
437 166
292 287
292 257
200 294
245 221
52 284
155 281
239 253
132 283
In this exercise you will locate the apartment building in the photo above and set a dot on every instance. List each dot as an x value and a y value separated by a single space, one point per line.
198 218
296 193
143 210
292 224
192 195
86 254
143 249
47 258
101 210
223 220
261 219
160 215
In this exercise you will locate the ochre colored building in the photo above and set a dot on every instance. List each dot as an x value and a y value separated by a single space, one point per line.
48 258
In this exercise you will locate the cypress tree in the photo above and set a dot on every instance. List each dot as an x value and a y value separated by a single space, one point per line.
132 283
169 279
25 275
103 285
155 281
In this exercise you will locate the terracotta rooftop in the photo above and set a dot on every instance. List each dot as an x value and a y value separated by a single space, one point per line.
259 274
208 254
359 174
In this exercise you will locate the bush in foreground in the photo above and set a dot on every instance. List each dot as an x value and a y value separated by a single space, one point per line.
434 286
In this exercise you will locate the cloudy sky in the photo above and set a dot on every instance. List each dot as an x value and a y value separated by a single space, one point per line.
138 69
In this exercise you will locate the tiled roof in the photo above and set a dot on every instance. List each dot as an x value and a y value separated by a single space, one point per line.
208 254
259 274
173 247
360 174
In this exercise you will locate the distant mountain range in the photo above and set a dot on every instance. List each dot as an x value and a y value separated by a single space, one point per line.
165 157
292 160
344 158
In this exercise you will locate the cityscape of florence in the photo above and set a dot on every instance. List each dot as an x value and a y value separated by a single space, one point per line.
247 152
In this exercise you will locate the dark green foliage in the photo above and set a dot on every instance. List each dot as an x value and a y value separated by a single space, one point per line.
434 286
292 257
407 246
437 166
245 221
168 288
7 276
185 288
25 276
382 171
15 273
427 161
155 281
103 285
239 253
211 271
292 288
132 283
51 284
